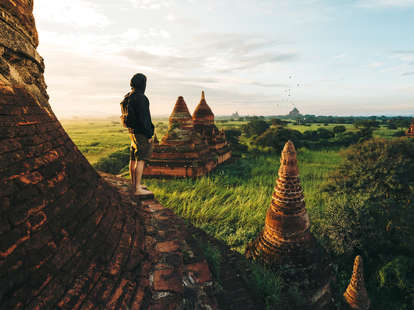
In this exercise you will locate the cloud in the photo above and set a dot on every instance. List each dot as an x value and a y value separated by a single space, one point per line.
272 85
385 3
74 13
142 58
220 53
150 4
229 52
406 56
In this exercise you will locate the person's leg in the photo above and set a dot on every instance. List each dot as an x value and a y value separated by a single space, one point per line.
138 174
132 165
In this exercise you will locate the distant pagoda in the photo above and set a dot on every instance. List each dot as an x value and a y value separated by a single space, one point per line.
294 113
410 131
356 295
203 120
186 150
286 243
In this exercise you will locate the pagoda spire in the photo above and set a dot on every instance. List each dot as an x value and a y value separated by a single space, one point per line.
180 116
356 294
287 221
286 243
202 114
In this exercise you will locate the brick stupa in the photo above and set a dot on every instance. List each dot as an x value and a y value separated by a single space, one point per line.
182 152
356 295
286 243
410 131
203 119
192 146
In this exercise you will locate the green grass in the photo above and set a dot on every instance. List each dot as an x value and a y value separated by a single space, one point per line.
97 138
231 202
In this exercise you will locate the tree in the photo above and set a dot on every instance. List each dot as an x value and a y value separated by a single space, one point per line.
366 123
277 137
369 210
339 129
324 133
255 127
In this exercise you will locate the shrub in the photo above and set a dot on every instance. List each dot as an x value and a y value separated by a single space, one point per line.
324 133
369 210
339 129
311 135
255 127
114 162
277 137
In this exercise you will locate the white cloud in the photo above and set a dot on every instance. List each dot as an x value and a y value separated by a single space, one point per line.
385 3
74 13
150 4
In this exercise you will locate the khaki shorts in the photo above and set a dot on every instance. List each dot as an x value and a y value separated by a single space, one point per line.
141 149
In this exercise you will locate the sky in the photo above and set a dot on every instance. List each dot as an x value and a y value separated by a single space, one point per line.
262 57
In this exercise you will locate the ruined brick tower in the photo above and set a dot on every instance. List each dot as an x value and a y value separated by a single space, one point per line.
356 295
410 131
286 243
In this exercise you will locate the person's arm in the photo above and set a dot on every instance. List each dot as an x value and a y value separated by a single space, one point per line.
148 126
131 118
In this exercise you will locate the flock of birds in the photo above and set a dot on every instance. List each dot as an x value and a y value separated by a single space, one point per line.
287 94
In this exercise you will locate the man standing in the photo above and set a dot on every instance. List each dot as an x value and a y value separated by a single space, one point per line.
137 118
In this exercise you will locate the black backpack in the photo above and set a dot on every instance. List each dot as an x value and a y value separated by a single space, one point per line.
127 119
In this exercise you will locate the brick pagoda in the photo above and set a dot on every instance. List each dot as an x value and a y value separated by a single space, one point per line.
192 146
356 295
203 119
410 131
286 243
182 152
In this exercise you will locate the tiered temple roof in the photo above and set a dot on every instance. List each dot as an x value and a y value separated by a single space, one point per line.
192 146
286 243
182 151
356 294
203 119
410 131
202 114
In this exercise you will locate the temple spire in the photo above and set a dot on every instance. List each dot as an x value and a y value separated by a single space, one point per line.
180 115
356 294
288 161
286 242
202 114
